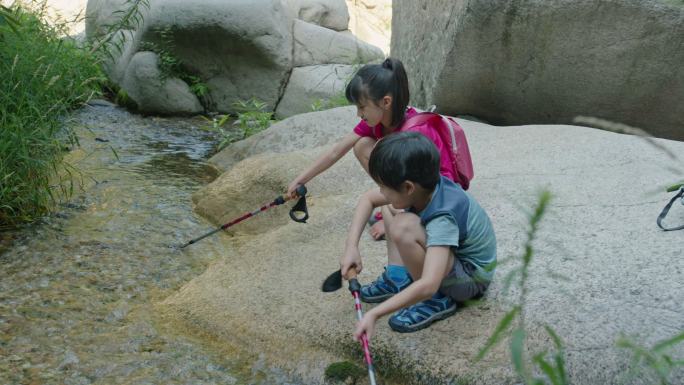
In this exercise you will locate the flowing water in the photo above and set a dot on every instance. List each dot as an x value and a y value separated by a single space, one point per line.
77 291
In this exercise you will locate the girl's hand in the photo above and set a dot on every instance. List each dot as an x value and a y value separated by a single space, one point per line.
292 189
350 259
366 325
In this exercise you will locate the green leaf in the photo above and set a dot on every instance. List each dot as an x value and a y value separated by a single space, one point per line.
508 280
500 328
556 340
546 368
517 353
669 342
675 187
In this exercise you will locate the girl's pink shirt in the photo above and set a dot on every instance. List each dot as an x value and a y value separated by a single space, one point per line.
445 168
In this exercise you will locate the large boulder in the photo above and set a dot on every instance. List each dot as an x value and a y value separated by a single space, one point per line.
311 84
317 45
303 131
240 49
330 14
547 61
229 51
101 15
622 273
371 21
145 84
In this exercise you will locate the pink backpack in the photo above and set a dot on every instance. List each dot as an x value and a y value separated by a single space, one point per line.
453 137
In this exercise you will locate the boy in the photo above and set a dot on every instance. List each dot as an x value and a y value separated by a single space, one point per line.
444 237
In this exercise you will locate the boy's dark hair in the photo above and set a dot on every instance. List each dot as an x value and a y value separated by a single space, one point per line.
374 81
405 156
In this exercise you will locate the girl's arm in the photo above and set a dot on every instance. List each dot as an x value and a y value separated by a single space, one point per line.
323 162
351 257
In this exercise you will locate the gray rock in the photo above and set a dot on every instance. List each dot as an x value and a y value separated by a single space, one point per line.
599 229
239 49
331 14
100 14
311 83
317 45
371 21
541 61
154 94
299 132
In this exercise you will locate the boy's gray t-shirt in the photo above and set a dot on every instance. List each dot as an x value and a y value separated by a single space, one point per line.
479 246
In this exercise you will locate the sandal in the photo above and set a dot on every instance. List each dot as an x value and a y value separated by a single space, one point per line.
383 288
422 314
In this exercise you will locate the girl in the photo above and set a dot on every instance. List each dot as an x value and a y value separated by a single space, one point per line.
381 95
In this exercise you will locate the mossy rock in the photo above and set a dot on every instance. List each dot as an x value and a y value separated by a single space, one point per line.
341 371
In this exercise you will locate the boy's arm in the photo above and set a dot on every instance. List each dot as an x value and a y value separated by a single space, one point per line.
323 162
368 201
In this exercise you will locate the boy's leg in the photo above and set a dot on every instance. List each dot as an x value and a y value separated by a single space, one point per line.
409 237
393 257
395 277
460 284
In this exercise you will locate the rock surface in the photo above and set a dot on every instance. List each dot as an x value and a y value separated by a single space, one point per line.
236 50
525 62
623 273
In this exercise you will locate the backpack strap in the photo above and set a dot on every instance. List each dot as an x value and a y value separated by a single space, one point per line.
666 209
419 118
423 117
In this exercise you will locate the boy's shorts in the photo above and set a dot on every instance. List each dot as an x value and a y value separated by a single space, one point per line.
461 285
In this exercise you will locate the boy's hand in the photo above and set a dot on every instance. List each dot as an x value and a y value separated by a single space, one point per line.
350 259
366 325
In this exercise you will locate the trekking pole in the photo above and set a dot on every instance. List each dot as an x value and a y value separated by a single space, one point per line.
354 288
300 207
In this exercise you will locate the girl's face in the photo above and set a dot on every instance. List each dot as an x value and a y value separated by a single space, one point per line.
373 113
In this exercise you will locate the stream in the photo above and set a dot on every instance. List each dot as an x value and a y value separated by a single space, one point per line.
78 290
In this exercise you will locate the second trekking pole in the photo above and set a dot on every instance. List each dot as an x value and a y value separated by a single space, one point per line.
355 288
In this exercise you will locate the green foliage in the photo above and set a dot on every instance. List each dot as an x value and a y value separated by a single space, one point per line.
338 100
675 186
44 77
217 124
341 371
109 42
7 19
252 118
550 365
171 66
657 359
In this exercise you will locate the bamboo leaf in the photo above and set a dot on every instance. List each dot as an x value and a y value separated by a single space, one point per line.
496 336
669 342
546 368
517 353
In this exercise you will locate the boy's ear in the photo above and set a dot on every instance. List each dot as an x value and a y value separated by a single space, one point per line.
409 187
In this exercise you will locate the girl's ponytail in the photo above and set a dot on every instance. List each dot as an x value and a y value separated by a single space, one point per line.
400 89
374 81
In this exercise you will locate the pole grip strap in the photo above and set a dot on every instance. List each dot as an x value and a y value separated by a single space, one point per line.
666 209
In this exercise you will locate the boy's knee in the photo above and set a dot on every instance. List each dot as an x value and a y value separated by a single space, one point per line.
406 228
